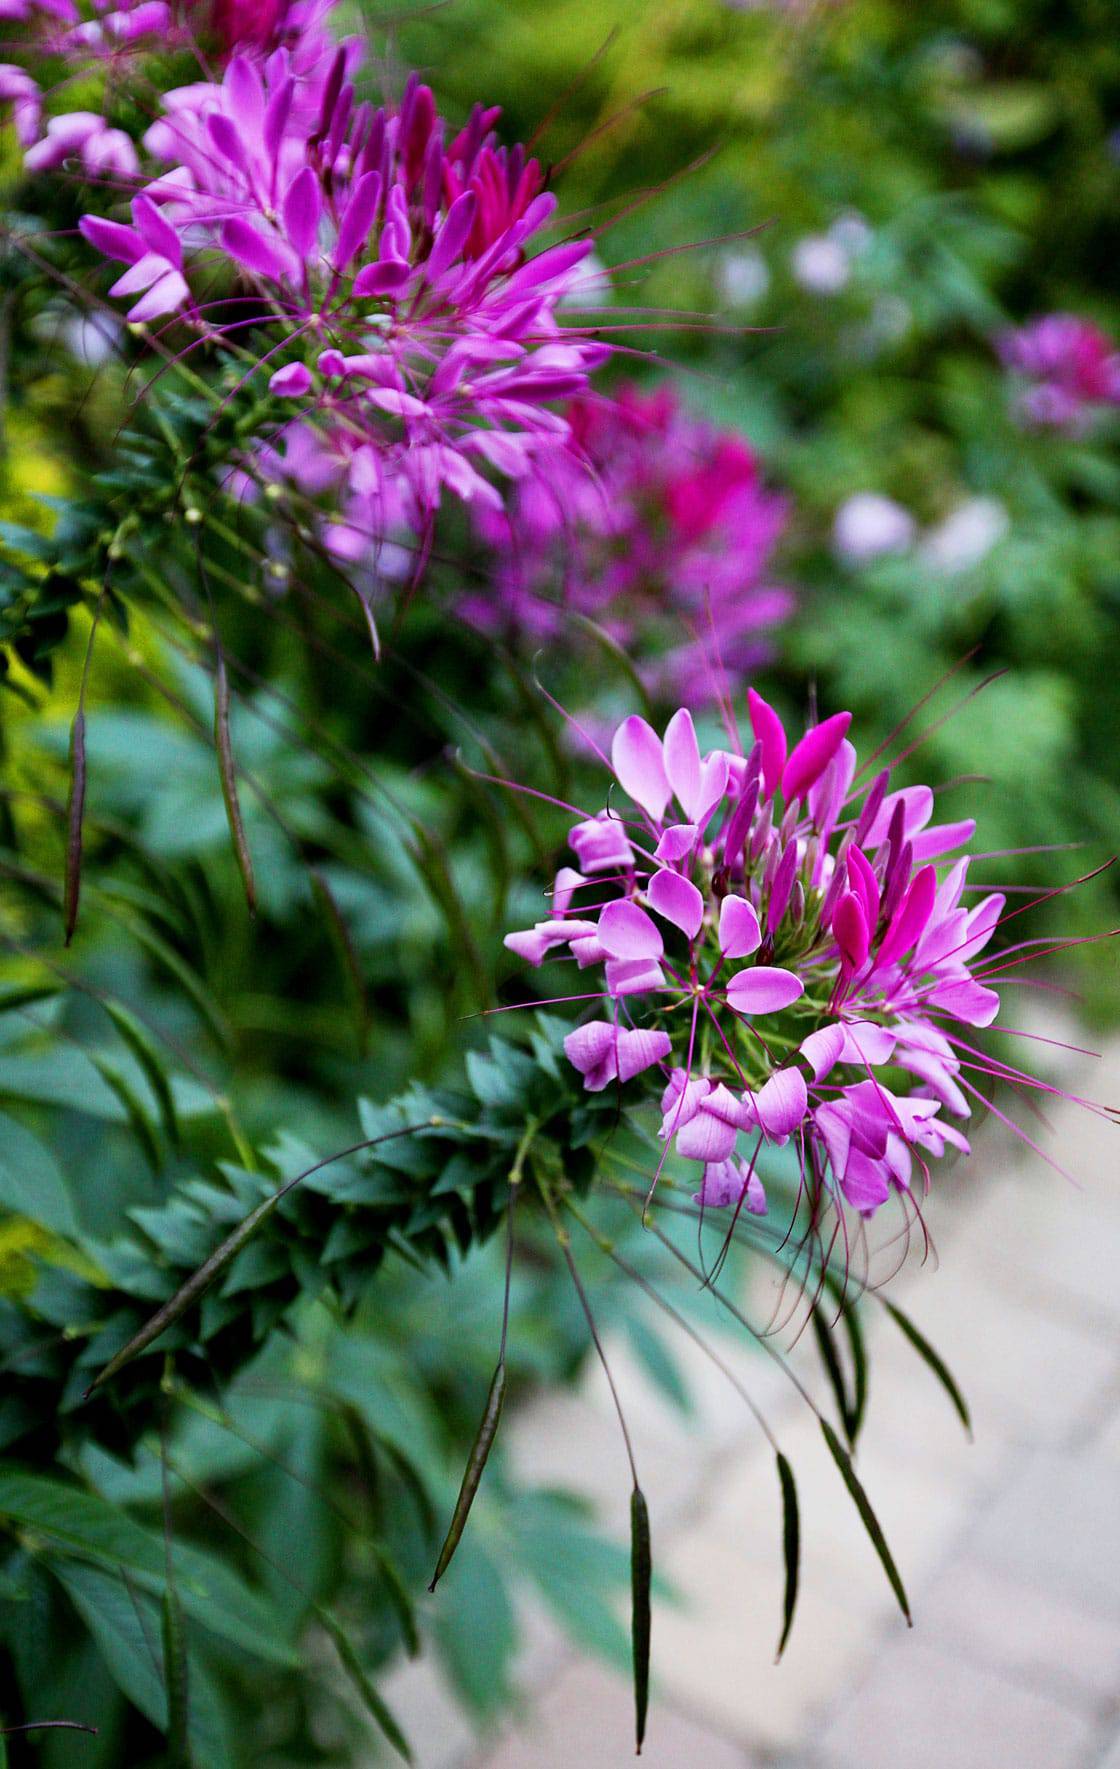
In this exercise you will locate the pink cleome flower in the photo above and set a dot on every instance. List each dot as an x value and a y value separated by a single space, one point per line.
388 274
655 525
1071 368
790 949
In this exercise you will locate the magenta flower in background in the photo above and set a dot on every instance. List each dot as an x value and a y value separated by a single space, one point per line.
1072 369
655 525
393 302
788 947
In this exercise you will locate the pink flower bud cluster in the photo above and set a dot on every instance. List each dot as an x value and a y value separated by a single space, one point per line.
657 527
786 946
1071 368
388 288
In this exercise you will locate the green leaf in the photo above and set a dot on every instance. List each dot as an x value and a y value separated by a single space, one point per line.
142 1046
83 1524
851 1406
31 1183
124 1623
870 1522
791 1548
929 1356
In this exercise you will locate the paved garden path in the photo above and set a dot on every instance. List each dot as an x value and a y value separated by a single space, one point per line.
1010 1545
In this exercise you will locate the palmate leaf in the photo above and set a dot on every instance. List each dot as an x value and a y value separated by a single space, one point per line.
125 1624
82 1525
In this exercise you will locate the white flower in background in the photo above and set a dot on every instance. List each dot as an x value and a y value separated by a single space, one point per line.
966 536
743 277
820 264
852 233
868 526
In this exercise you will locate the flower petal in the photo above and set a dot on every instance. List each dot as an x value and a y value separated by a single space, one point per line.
678 900
782 1102
739 932
764 989
628 932
638 1049
682 761
812 755
638 762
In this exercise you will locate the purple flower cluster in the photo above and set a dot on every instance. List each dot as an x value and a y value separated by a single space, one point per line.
1071 367
656 526
99 41
381 276
789 947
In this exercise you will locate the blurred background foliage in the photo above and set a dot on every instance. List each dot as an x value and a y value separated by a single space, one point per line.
885 187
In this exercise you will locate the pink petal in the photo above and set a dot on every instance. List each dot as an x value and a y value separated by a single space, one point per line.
678 900
770 732
867 1044
866 886
849 924
967 1001
628 932
166 295
676 842
812 756
910 918
782 1103
942 838
637 758
357 219
917 803
764 989
112 239
292 381
252 250
302 209
633 976
821 1050
384 278
682 761
639 1049
157 232
591 1050
706 1138
739 932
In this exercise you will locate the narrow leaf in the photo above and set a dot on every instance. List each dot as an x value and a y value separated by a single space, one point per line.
641 1572
791 1546
140 1044
399 1600
476 1462
870 1522
228 772
929 1356
75 805
347 956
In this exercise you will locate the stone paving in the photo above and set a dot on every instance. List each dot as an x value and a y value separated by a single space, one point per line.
1010 1545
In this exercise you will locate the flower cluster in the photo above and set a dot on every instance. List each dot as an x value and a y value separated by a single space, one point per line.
98 41
656 526
384 277
780 942
1070 365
